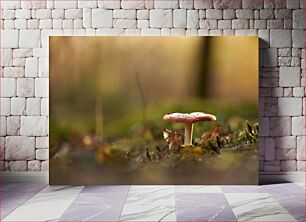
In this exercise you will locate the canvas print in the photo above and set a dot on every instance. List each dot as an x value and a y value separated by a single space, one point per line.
153 110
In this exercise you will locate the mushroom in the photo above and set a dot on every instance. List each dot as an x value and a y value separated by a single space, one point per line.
189 119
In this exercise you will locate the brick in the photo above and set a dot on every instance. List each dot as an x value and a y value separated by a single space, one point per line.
192 19
264 126
57 13
240 24
33 4
45 24
33 106
228 14
86 18
298 126
109 32
288 92
125 23
293 4
41 87
285 154
43 67
18 166
13 125
150 32
284 52
45 165
42 142
283 14
295 62
301 148
298 19
102 18
19 148
179 18
121 13
289 106
275 24
252 4
289 76
143 14
142 23
29 38
42 154
17 106
44 106
31 67
288 165
227 4
8 14
25 87
87 4
8 87
165 32
20 23
285 142
208 24
178 32
280 38
5 106
19 62
301 166
68 24
203 4
65 4
280 126
269 149
165 4
10 4
7 57
298 92
34 165
186 4
298 38
13 72
214 14
109 4
284 61
73 13
23 14
3 132
270 57
160 18
9 38
33 126
132 32
33 24
245 14
43 13
224 24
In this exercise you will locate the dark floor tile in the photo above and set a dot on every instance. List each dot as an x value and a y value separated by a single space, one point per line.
203 207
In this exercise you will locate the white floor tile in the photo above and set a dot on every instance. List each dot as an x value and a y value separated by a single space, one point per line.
198 189
150 203
47 205
257 207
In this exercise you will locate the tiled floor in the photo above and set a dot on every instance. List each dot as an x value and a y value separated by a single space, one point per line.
39 202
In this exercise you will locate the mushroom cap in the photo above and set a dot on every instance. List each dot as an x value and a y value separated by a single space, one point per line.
189 117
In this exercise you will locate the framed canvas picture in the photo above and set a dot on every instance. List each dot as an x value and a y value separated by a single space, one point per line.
153 110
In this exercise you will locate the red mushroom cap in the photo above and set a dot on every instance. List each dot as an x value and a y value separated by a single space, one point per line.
189 117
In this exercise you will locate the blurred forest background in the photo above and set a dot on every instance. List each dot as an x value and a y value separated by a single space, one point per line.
108 96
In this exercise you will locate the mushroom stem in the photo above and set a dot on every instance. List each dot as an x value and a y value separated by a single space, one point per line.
188 134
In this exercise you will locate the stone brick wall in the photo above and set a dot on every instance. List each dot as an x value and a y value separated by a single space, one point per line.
26 25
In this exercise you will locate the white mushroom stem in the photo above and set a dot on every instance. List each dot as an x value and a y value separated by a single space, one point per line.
188 134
